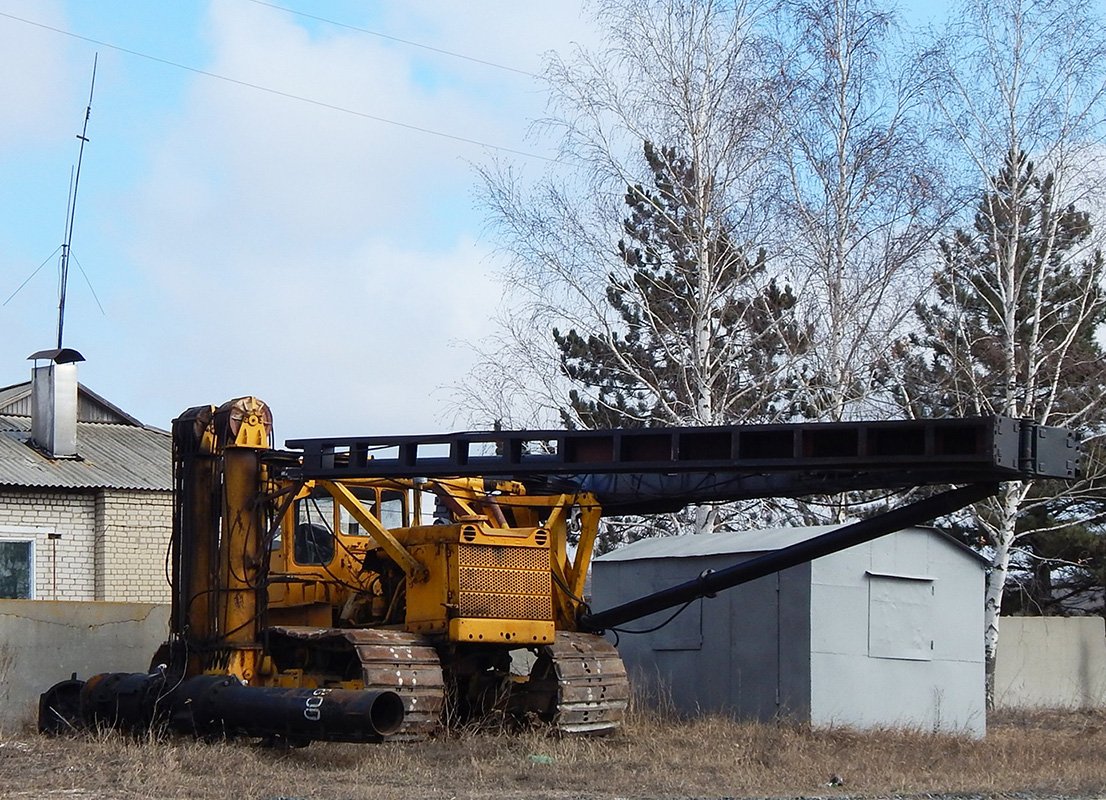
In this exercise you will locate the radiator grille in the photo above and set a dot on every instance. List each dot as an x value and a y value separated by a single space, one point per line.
506 606
503 557
504 582
497 581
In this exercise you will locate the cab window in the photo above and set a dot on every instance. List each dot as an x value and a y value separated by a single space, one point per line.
313 542
392 512
346 523
389 508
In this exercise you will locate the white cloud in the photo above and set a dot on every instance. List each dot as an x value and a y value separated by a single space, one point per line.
35 90
268 172
319 260
516 35
324 262
359 344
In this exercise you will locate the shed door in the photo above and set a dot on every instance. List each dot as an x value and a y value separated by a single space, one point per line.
900 617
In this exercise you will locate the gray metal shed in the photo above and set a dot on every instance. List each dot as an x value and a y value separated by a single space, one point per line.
885 634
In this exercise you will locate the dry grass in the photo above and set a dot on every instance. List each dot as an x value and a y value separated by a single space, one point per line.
1039 754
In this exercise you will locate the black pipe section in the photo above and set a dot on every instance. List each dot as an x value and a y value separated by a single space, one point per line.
218 705
59 708
127 701
840 539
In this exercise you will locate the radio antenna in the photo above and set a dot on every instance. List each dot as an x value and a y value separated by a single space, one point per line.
71 209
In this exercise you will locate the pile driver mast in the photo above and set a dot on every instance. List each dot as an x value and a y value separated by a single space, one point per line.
307 572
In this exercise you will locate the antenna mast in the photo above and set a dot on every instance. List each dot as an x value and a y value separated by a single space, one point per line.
71 211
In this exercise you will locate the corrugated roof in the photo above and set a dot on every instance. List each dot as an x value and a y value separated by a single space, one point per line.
15 400
713 544
111 456
747 541
734 542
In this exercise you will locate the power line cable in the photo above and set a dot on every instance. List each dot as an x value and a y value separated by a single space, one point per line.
278 92
390 38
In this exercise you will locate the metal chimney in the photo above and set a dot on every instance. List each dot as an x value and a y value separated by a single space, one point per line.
54 402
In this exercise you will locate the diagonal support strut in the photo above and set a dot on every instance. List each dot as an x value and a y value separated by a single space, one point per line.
840 539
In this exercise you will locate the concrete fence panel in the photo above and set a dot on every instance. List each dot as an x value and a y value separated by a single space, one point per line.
1051 662
43 642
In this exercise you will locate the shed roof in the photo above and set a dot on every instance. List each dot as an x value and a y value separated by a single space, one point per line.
736 542
115 450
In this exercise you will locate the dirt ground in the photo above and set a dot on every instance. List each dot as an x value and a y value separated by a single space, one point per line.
1025 756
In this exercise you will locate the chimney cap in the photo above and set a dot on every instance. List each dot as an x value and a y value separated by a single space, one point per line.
62 355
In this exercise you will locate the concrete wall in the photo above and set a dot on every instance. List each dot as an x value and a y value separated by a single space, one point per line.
43 642
1051 662
897 636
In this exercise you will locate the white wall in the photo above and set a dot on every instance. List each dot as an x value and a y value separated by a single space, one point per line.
897 636
133 529
1051 662
107 545
64 566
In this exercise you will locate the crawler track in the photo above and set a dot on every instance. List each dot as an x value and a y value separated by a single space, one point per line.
402 662
578 685
409 665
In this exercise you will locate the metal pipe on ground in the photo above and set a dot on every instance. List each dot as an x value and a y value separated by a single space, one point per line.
219 705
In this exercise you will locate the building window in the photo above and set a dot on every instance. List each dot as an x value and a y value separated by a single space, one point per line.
17 569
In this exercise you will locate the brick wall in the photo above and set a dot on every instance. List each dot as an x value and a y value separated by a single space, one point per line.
65 566
132 536
109 545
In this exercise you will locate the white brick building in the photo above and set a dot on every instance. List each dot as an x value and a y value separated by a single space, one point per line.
85 510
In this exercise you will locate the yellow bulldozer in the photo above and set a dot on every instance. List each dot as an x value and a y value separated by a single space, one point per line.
378 588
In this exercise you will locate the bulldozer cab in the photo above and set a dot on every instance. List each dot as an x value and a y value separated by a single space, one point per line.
320 521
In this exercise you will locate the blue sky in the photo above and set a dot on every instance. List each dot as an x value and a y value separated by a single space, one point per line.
246 243
242 242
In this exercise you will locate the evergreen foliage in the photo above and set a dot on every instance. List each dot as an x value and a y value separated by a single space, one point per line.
700 331
1009 331
1012 331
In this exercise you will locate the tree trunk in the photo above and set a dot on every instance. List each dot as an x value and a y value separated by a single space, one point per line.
1002 543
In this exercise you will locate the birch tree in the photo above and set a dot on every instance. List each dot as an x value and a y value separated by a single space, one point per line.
640 245
1011 328
863 201
864 195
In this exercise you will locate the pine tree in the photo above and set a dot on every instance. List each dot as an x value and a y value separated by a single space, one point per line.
1018 302
701 336
1011 331
1057 569
700 333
